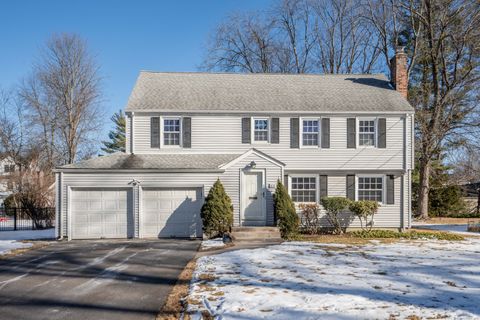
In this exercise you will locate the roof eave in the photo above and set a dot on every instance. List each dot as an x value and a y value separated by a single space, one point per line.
105 170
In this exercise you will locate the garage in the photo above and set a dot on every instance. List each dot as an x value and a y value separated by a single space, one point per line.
101 213
171 212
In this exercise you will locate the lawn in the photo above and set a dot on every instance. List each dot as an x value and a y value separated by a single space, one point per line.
404 279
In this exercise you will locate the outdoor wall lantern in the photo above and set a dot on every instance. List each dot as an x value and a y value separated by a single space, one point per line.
253 165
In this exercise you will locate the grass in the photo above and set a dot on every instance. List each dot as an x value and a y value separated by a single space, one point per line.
360 237
174 304
410 235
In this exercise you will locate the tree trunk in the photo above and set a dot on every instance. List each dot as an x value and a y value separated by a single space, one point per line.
424 188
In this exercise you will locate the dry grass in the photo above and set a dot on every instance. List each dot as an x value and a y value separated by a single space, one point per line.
173 307
342 239
447 220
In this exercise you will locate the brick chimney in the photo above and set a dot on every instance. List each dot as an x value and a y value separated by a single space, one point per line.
399 71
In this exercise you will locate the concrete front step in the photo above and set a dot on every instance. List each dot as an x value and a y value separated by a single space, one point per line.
256 233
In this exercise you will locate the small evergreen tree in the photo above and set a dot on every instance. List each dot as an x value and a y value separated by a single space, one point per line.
287 218
217 212
117 136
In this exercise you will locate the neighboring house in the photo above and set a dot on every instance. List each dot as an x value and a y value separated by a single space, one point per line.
322 135
7 167
472 196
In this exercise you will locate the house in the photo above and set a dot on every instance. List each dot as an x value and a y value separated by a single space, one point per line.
322 135
7 167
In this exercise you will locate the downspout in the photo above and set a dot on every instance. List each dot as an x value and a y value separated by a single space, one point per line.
132 149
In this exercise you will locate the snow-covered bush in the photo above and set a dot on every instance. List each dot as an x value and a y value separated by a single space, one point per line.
217 212
285 213
309 218
333 207
364 210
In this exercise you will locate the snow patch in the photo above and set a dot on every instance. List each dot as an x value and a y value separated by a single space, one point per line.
6 246
28 234
302 280
212 244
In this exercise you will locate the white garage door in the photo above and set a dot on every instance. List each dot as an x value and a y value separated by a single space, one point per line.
172 212
101 213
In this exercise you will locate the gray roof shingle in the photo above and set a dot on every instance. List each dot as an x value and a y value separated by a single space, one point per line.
207 92
160 161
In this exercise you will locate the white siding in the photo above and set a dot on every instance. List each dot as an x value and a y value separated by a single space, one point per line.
388 216
222 134
230 180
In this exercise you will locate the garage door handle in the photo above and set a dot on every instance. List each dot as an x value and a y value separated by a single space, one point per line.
252 198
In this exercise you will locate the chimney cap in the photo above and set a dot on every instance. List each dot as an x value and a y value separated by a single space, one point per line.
400 49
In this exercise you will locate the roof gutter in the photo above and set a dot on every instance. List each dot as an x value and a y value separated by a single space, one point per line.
349 112
90 170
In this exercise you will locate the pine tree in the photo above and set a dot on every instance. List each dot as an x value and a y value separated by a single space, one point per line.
217 211
288 221
117 136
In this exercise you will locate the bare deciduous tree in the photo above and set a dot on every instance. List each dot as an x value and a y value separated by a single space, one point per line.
445 81
62 97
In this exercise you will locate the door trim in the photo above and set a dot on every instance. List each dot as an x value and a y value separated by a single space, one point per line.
264 198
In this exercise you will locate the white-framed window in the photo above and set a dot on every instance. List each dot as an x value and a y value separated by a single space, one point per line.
261 129
172 131
367 132
9 168
304 188
310 132
370 187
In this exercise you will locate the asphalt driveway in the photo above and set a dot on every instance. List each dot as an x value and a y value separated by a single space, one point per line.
104 279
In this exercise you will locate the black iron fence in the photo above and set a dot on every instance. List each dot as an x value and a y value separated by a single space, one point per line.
12 219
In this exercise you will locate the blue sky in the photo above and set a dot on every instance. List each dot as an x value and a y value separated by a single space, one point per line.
124 36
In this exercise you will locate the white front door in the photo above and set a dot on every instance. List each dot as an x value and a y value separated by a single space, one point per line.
254 211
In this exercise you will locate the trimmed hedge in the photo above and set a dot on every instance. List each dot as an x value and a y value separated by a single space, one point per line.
412 235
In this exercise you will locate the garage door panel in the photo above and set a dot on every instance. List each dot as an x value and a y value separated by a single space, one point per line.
171 212
101 213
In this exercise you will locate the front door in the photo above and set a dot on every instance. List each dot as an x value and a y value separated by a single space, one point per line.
253 199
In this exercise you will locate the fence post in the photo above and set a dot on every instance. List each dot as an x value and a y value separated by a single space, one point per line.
15 219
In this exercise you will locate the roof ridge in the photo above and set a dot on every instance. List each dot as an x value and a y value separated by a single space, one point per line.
263 73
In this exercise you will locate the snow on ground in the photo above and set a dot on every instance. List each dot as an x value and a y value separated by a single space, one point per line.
212 244
455 228
28 234
301 280
7 246
11 240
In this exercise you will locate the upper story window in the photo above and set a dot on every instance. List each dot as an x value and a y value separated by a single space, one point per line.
310 132
9 168
370 188
171 131
304 189
366 132
260 130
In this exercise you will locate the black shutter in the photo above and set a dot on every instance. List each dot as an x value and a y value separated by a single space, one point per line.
390 189
285 181
155 132
382 133
187 132
351 133
294 133
351 187
275 132
246 131
323 186
326 133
